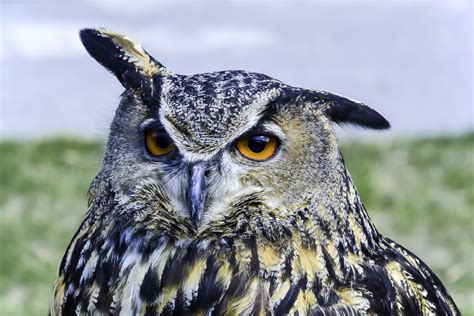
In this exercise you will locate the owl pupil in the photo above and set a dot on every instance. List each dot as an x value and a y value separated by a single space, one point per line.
258 143
162 142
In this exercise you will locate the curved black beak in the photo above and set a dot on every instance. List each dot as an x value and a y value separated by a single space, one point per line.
197 191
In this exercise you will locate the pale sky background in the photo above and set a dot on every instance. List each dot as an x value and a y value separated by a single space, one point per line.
410 60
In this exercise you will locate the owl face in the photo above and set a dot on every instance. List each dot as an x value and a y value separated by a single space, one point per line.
199 146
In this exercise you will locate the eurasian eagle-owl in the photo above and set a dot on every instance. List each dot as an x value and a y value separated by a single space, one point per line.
226 193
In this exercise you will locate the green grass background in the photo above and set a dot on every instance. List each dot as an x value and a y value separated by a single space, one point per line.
419 192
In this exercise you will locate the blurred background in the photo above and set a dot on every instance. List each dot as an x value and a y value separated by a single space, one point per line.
411 60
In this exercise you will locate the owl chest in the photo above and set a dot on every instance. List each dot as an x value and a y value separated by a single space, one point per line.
242 278
193 278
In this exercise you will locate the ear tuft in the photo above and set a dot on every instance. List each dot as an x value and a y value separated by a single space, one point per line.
125 58
342 110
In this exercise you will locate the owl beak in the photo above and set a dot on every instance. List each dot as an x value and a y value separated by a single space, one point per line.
197 191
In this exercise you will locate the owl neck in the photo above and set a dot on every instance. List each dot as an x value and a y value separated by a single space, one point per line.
335 237
338 222
342 221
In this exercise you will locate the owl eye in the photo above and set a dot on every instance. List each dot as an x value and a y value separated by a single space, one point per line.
257 147
158 143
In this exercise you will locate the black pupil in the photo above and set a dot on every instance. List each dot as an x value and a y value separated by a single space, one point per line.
162 141
258 143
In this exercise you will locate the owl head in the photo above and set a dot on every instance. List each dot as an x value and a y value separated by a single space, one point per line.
197 150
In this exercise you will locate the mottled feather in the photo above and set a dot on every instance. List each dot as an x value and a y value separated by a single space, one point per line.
288 235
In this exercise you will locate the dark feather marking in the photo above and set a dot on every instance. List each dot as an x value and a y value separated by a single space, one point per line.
177 266
74 262
109 54
324 296
150 310
174 308
251 243
348 274
374 280
287 302
105 278
237 287
63 261
342 110
149 289
329 264
208 292
69 306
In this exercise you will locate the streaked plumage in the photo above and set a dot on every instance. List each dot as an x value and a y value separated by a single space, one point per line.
288 235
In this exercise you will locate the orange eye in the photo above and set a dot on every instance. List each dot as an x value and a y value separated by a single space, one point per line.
158 143
257 147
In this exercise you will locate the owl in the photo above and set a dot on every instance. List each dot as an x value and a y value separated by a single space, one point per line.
225 193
